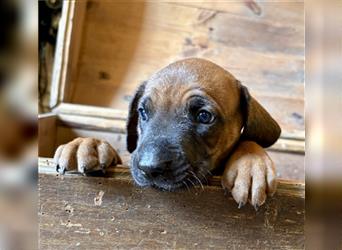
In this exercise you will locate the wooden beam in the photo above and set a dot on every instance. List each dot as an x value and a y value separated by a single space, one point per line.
106 119
106 213
67 51
121 172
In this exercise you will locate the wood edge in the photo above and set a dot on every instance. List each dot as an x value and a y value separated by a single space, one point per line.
92 123
66 49
292 188
293 141
92 111
47 115
63 36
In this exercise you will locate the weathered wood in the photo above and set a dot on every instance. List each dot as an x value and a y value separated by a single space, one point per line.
294 188
288 165
110 113
47 131
67 51
107 123
135 40
162 40
107 213
289 145
92 111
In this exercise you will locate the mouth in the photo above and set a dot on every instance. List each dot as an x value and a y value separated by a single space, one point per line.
183 177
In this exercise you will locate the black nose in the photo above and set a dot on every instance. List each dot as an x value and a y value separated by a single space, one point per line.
154 164
151 171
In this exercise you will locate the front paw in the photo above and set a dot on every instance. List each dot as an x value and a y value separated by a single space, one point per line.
250 175
85 155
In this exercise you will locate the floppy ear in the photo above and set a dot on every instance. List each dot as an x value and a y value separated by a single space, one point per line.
132 120
259 126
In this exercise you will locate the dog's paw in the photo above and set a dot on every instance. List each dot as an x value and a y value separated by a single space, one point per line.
250 175
85 155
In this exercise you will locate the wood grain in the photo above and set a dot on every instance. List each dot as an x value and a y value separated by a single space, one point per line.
136 39
135 218
47 132
46 165
67 51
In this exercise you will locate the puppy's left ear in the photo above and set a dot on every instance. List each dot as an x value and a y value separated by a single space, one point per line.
259 126
132 121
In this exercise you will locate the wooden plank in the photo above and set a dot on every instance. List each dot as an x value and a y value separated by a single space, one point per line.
108 124
125 216
136 39
287 145
146 41
67 51
93 123
295 188
269 11
110 113
92 111
47 131
289 166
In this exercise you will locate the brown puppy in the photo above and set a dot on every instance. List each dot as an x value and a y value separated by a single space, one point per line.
188 120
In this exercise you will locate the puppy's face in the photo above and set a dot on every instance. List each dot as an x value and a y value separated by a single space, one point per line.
183 121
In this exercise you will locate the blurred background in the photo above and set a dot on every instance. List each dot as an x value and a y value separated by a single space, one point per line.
18 123
24 92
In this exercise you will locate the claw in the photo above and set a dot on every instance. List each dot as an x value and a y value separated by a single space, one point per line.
225 190
241 204
60 170
103 168
256 207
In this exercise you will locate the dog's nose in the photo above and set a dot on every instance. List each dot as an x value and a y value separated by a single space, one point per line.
152 165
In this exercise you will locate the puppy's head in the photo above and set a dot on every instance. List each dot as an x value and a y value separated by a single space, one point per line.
186 119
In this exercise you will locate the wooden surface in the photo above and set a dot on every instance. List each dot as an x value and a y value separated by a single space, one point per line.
67 51
104 213
47 132
123 43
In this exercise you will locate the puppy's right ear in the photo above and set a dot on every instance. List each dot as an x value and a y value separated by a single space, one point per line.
259 126
132 120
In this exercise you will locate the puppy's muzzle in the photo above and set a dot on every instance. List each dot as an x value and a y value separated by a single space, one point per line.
158 160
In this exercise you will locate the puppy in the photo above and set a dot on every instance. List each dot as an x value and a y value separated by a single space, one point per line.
190 120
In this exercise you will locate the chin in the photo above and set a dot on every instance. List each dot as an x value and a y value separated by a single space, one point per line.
171 187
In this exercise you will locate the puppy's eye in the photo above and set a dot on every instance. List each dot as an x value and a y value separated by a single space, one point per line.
205 117
142 114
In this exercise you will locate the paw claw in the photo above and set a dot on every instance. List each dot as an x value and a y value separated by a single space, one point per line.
241 204
256 207
103 168
60 170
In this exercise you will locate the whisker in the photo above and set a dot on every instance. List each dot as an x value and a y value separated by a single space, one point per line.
208 171
203 175
193 184
187 187
198 179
